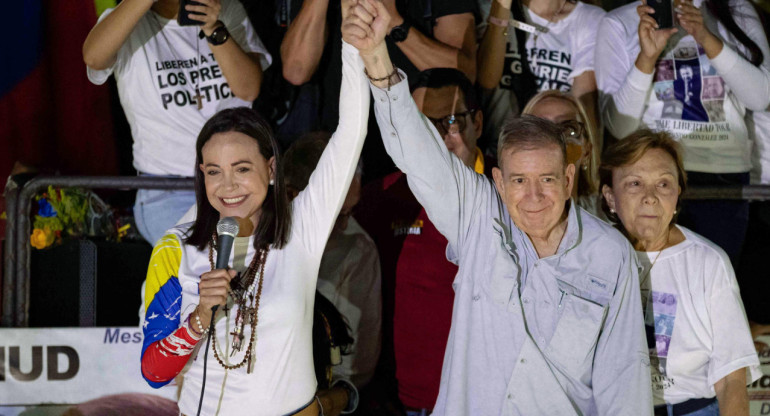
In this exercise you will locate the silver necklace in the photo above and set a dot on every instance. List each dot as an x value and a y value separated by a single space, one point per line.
646 276
198 97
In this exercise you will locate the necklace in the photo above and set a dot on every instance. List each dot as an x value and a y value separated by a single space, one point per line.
243 294
550 21
198 96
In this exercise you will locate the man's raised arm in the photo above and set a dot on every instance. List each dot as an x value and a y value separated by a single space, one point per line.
444 186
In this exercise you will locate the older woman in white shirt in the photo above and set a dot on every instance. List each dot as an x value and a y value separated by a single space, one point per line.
701 352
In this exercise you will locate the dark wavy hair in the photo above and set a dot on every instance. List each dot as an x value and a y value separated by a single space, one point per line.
275 219
721 10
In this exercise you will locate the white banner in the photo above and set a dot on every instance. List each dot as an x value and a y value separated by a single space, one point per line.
75 365
71 365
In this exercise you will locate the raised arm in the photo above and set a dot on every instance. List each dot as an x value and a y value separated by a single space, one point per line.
303 45
453 44
317 206
445 187
491 56
625 80
621 373
105 39
750 83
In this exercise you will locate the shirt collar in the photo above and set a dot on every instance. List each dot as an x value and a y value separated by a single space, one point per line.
574 232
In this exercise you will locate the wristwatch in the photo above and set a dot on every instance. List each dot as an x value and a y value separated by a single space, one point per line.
400 32
218 36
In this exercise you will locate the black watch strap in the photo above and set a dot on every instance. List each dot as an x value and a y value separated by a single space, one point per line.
219 36
400 32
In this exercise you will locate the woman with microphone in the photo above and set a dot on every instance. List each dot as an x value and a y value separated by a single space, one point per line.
261 357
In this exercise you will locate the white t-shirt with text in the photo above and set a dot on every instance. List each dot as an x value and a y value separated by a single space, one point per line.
159 70
556 57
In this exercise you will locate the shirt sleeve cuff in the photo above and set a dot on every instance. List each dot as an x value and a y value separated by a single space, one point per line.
726 60
750 362
348 48
638 79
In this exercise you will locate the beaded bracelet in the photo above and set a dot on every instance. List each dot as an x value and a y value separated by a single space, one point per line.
203 331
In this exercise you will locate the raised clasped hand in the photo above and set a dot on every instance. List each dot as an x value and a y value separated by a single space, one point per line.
365 24
209 14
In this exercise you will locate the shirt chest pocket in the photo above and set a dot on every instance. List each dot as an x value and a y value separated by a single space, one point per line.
574 339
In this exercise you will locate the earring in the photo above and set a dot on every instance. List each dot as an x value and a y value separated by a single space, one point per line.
272 182
612 211
584 167
675 212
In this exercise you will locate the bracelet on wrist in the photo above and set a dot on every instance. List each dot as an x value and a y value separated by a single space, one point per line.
201 329
497 21
195 335
393 78
501 23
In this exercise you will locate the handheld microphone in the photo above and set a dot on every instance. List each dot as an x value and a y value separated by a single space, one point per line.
227 229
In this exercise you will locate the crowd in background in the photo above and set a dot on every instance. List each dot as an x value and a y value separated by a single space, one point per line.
472 65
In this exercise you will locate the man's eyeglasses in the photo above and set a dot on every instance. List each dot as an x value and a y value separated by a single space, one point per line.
453 123
572 130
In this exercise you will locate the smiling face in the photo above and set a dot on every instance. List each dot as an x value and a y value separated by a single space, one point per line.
535 185
236 175
644 196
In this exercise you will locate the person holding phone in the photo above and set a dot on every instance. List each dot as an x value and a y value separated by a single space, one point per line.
171 79
695 81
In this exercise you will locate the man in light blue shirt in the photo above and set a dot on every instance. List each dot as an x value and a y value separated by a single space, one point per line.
547 318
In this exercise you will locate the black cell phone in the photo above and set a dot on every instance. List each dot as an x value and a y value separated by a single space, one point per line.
183 17
664 12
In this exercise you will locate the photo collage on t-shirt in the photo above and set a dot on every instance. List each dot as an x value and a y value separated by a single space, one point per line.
659 317
689 86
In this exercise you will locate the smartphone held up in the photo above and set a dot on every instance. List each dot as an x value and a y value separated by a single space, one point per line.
183 17
664 13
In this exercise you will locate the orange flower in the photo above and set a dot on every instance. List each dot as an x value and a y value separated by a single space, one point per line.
41 239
